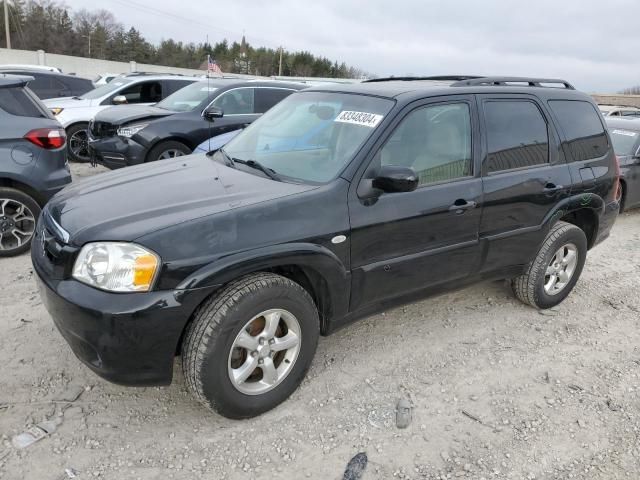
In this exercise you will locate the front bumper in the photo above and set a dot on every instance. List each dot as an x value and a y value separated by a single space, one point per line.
116 152
129 339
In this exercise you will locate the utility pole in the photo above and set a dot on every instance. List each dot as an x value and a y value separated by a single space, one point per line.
89 37
280 66
6 23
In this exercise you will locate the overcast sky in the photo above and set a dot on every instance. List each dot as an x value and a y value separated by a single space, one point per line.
592 43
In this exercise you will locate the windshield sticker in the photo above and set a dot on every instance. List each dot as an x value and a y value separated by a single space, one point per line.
364 119
117 84
625 132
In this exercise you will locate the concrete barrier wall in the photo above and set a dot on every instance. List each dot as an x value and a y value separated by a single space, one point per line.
615 99
87 67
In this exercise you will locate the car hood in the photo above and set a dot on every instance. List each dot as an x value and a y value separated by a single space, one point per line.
67 102
123 114
129 203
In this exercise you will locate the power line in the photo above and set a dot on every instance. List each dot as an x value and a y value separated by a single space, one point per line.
173 16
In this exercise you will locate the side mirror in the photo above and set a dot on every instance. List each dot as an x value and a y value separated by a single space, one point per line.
211 112
119 100
393 178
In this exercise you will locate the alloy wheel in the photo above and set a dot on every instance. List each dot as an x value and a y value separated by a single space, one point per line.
17 224
171 153
79 144
561 269
264 352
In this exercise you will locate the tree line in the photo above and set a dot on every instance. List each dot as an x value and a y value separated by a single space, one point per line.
54 28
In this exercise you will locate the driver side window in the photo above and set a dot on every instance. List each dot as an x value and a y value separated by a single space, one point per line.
236 102
435 141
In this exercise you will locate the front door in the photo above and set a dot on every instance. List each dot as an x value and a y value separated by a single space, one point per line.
404 242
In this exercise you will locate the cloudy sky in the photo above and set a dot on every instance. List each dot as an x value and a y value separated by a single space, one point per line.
592 43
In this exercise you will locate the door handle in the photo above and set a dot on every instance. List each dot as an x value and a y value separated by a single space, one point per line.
550 188
461 205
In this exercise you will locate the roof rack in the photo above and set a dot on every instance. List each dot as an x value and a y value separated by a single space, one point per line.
453 78
512 81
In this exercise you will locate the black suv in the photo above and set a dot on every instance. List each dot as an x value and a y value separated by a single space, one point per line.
133 134
53 84
338 202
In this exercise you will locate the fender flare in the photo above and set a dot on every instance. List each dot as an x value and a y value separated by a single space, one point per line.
583 201
322 261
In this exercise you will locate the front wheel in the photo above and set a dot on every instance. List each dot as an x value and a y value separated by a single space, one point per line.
78 142
250 346
554 271
167 150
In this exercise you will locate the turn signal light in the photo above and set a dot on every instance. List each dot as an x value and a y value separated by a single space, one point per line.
47 138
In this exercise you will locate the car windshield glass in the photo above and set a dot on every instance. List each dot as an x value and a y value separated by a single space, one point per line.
105 89
188 98
310 136
624 141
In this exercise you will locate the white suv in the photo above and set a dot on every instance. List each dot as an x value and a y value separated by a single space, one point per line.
75 113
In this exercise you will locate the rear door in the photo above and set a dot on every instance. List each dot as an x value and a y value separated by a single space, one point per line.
404 242
586 147
524 176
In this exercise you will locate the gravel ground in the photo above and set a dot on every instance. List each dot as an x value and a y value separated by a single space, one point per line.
498 389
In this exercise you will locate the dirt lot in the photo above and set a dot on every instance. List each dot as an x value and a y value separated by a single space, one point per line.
499 390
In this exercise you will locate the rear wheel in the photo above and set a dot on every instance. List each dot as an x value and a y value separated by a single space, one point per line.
78 142
167 150
553 273
249 347
18 215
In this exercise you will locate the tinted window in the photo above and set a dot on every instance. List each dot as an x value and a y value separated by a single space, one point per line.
581 125
516 135
16 101
435 141
143 92
175 85
236 102
106 89
268 97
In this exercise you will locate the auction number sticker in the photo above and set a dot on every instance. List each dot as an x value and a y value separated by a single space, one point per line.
364 119
625 132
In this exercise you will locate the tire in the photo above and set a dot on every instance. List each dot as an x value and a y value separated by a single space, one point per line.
209 359
167 150
18 213
78 143
535 287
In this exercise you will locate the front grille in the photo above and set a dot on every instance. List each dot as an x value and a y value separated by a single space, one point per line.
102 129
51 253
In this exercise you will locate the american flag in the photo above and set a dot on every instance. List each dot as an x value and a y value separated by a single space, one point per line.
212 66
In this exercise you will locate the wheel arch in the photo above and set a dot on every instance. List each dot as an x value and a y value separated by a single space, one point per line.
318 270
581 210
172 138
10 182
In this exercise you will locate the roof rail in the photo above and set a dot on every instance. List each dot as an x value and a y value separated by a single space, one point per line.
512 81
141 74
453 78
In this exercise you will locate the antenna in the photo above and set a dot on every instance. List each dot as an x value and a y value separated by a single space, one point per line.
208 92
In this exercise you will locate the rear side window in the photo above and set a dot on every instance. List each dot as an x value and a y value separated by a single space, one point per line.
517 135
238 101
268 97
584 132
16 101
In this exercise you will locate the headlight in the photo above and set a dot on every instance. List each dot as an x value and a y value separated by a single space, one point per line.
56 110
116 267
130 130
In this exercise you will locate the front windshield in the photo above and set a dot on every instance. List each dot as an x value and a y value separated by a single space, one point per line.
104 90
624 141
188 98
310 136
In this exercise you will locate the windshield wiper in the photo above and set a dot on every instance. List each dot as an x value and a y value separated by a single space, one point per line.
269 172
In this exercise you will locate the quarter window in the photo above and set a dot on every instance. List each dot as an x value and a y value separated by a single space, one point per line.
517 135
584 132
236 102
435 141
